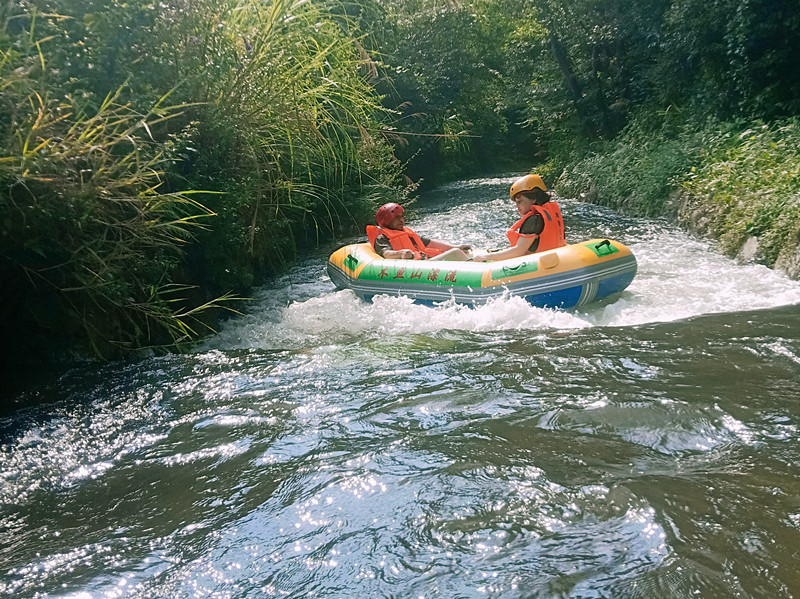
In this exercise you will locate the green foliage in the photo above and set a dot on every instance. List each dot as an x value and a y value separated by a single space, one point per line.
731 58
445 78
291 131
274 117
600 63
86 234
742 178
637 171
753 177
577 66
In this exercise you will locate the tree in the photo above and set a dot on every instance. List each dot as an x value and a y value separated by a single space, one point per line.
444 74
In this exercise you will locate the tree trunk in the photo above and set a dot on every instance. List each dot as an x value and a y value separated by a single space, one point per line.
573 85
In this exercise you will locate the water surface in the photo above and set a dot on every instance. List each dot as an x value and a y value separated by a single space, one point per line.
319 446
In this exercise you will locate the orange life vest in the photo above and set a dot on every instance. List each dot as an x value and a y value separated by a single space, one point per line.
552 236
406 239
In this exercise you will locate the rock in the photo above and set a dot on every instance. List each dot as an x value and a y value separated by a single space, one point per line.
700 216
789 261
751 251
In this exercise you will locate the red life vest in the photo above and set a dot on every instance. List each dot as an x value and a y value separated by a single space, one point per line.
406 239
552 236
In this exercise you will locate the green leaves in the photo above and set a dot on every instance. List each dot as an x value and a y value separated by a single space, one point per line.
754 174
87 223
110 110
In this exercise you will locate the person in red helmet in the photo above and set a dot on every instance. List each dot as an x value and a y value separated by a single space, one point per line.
541 227
391 239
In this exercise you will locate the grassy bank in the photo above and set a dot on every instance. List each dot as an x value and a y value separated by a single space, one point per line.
156 161
738 183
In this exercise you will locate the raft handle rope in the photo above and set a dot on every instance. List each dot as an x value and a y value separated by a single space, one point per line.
515 267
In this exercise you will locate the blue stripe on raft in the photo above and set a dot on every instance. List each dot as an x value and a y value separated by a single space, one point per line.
614 285
564 298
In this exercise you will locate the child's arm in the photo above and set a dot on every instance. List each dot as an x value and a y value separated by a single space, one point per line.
523 245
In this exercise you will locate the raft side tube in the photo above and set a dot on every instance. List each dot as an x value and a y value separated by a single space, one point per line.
565 277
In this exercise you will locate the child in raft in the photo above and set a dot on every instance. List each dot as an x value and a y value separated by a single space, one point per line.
391 239
541 227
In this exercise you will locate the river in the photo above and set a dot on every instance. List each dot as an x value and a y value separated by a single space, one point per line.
318 446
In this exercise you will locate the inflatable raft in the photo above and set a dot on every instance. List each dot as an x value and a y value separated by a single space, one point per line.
566 277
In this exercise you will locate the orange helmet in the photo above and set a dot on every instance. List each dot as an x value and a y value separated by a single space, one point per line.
527 183
387 213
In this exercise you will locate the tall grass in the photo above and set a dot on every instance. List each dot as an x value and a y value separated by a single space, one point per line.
110 110
287 128
87 233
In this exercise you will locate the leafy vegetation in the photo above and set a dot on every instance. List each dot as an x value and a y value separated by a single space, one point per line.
734 181
752 181
87 234
637 171
443 74
156 157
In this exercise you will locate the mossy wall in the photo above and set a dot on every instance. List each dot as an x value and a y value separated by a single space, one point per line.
738 183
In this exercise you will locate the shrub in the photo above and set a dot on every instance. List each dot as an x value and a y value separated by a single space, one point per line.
753 176
87 237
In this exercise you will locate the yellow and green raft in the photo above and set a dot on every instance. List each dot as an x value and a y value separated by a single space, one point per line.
566 277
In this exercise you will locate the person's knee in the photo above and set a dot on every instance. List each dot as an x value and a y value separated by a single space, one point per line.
454 255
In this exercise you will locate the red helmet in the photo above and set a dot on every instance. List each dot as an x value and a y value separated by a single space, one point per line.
387 213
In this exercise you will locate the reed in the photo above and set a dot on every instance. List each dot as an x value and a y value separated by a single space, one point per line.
88 234
297 105
285 124
267 107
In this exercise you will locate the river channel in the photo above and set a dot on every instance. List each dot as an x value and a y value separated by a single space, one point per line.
318 446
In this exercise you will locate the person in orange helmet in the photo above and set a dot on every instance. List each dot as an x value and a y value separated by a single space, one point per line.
391 239
541 227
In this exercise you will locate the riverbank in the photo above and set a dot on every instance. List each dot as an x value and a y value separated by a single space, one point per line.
737 183
150 175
